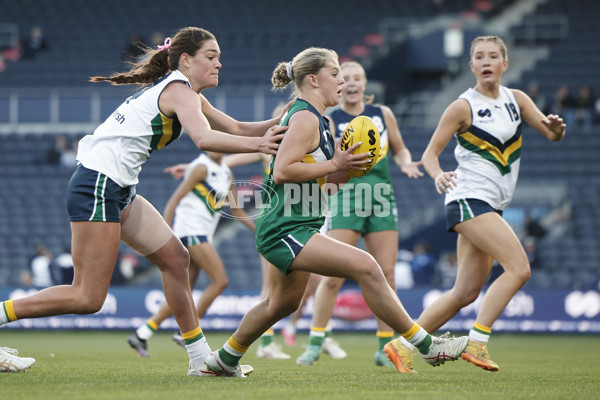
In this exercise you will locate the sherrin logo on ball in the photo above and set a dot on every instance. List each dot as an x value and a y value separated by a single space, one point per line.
362 129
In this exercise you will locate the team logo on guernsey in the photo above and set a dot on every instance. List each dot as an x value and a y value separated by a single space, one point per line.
484 113
254 198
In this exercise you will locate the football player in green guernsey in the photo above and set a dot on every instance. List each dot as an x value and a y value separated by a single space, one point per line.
354 212
307 168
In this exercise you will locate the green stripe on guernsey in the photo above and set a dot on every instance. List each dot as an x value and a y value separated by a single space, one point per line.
157 129
99 205
210 207
488 156
502 155
165 131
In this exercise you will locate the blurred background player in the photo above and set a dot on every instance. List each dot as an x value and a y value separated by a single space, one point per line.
352 214
40 268
267 348
194 213
486 121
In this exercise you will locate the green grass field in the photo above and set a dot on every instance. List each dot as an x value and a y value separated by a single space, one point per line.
100 365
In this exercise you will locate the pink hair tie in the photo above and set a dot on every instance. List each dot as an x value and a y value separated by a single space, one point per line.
166 46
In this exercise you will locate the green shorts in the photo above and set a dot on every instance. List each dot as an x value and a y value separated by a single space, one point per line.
364 212
284 251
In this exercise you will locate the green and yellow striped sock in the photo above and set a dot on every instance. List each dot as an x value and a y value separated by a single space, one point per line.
7 312
383 337
328 330
232 352
418 337
267 337
192 336
316 336
196 346
480 333
146 331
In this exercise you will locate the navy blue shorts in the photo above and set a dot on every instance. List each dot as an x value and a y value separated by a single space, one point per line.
464 209
93 196
189 241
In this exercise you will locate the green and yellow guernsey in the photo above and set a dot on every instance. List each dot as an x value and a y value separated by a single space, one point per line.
289 207
366 203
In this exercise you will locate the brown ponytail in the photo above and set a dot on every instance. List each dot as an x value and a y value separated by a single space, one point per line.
159 62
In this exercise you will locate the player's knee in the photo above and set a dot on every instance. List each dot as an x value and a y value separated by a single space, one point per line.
89 304
523 273
390 276
468 296
180 262
518 270
184 259
291 307
285 306
221 284
366 268
333 284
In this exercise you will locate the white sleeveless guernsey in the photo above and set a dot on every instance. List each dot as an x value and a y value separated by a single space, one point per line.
122 143
489 152
197 212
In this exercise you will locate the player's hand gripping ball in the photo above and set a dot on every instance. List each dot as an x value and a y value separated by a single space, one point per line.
362 129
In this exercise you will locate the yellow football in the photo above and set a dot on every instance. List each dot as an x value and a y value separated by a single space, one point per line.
362 129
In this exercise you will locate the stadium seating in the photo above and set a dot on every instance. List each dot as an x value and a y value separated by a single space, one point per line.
253 38
88 37
581 42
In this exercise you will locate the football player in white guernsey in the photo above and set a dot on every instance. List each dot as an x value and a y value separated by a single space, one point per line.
486 121
101 199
